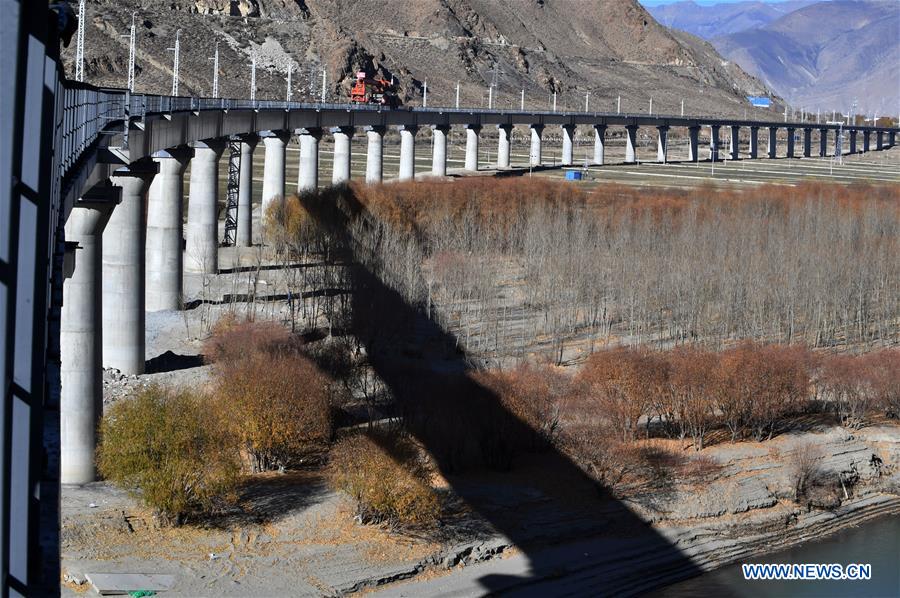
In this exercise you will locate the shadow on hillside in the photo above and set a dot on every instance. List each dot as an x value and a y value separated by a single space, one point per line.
535 501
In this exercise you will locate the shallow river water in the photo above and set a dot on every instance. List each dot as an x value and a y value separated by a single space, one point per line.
876 542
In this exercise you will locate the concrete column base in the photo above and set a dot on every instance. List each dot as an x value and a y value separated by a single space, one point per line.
374 151
439 150
201 254
735 143
599 144
754 143
773 143
568 144
807 143
124 267
823 143
341 170
662 144
504 133
631 144
408 152
715 143
308 173
81 345
535 154
244 236
165 213
472 140
273 186
790 143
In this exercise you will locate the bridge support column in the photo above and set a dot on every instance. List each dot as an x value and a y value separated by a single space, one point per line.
599 144
439 150
823 143
504 133
124 267
340 172
472 139
735 143
790 142
892 138
807 142
867 138
273 169
81 345
374 151
714 142
308 175
244 236
568 144
879 140
534 156
631 144
662 144
852 134
694 143
408 152
165 210
754 143
773 143
201 242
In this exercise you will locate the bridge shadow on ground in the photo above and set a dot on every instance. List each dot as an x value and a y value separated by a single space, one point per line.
578 538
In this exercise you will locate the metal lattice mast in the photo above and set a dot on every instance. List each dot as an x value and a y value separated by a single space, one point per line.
132 50
253 77
79 48
175 66
215 92
324 75
231 193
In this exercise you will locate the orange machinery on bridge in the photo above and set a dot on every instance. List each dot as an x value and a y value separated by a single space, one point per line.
376 91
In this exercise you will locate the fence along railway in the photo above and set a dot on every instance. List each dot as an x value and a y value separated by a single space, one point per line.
78 164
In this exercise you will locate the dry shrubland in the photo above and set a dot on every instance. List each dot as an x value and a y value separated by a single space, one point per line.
165 447
513 267
387 476
272 399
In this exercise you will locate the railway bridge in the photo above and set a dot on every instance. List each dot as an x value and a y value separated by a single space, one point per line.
91 234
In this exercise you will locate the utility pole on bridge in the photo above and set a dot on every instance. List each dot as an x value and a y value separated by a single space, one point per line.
132 49
215 59
175 66
79 44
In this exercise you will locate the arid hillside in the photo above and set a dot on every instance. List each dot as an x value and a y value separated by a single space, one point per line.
571 47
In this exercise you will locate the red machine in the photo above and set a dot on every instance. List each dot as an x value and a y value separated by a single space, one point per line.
374 91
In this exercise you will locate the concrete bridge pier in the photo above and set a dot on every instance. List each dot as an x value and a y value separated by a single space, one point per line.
374 152
807 142
735 143
892 138
408 152
879 140
852 134
273 169
823 143
439 150
308 174
754 143
599 144
201 254
244 236
714 142
773 142
341 169
165 210
472 139
867 138
503 138
81 344
662 144
790 142
568 144
631 144
694 144
534 156
124 267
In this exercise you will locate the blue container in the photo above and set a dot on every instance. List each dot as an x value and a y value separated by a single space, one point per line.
573 175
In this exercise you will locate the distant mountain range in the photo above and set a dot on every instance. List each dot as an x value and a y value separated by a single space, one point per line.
710 21
818 55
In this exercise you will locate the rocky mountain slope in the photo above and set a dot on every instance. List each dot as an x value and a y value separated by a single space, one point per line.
709 21
571 47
